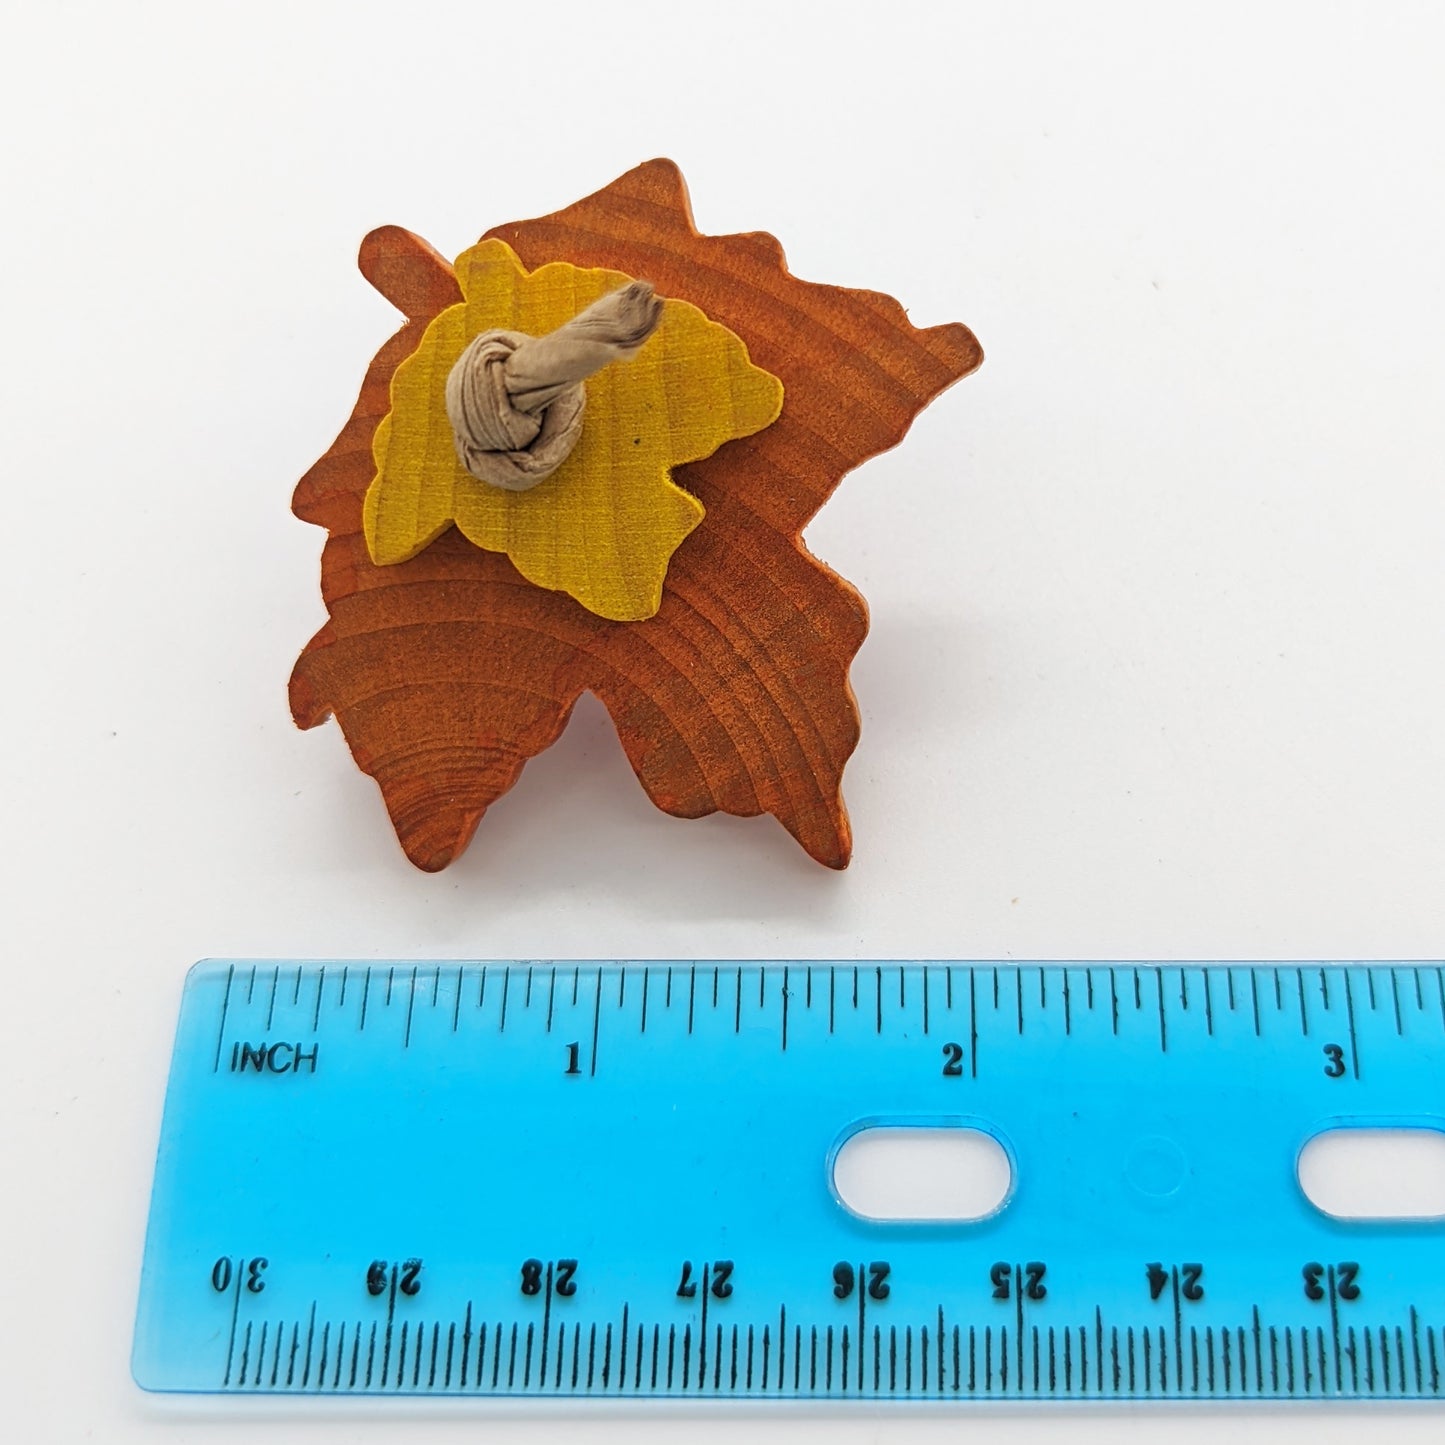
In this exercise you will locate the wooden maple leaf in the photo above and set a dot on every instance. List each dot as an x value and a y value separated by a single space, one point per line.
449 671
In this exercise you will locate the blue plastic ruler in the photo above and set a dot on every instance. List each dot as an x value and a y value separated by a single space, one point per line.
558 1179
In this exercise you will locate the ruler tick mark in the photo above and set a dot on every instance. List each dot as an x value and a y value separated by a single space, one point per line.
310 1337
552 996
1178 1329
221 1029
785 1009
972 1025
235 1312
390 1321
271 1006
1163 1026
702 1331
410 1009
546 1329
596 1024
506 990
1350 1017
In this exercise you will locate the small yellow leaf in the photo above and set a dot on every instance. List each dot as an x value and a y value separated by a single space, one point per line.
605 524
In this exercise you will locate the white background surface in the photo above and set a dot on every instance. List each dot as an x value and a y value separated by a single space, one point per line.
1155 668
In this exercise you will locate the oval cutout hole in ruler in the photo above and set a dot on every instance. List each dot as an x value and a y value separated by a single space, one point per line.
1375 1174
937 1172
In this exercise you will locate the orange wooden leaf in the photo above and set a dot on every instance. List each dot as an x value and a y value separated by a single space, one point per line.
448 671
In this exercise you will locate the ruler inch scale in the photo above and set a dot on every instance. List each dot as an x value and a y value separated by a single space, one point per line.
597 1179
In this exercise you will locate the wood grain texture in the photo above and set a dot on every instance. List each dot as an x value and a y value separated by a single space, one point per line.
449 671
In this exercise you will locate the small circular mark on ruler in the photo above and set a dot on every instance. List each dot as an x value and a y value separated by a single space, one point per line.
1156 1167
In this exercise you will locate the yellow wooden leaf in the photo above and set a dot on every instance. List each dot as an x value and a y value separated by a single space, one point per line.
605 524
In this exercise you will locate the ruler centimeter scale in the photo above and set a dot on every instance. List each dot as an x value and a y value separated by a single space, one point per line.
560 1179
